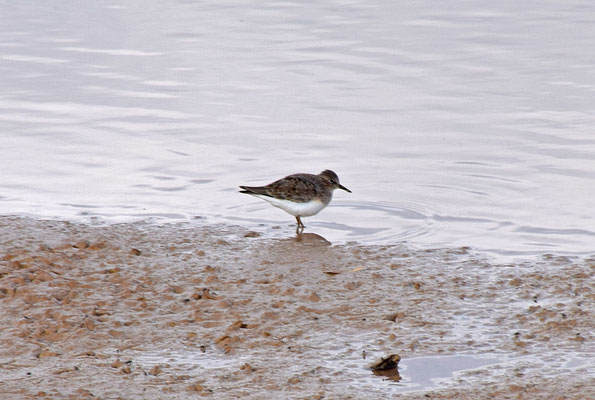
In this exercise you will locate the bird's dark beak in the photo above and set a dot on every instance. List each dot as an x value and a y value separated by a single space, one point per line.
344 188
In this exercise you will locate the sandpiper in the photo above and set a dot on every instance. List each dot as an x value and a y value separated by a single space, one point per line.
301 195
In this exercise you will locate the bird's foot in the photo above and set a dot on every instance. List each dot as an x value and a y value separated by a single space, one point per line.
300 226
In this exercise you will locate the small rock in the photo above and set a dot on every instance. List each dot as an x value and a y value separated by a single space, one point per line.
177 289
90 325
97 246
237 325
197 296
352 285
82 244
314 297
515 282
395 316
387 367
221 339
197 387
227 343
47 353
247 368
156 370
389 362
191 335
294 381
206 294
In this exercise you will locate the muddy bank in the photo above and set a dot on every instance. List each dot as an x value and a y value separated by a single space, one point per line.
175 311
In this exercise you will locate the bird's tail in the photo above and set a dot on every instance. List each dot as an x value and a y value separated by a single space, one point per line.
254 190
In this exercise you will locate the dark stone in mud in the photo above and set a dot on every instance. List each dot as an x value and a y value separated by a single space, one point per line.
389 362
387 367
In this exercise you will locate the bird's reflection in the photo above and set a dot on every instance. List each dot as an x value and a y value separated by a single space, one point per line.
311 238
308 239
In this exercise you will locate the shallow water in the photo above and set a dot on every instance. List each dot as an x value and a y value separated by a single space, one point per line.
418 374
455 124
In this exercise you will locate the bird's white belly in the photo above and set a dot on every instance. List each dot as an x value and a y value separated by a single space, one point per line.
296 209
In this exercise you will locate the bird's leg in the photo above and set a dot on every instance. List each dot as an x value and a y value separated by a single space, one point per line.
300 225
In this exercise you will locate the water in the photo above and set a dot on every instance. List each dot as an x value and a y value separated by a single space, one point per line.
454 123
418 374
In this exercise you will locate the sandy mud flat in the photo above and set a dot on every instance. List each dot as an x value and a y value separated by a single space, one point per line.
178 311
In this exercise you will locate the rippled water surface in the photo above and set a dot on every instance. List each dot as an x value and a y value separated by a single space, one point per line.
453 123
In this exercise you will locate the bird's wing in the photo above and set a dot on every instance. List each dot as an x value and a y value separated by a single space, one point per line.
299 188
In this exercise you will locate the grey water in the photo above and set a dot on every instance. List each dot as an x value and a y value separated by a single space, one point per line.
453 123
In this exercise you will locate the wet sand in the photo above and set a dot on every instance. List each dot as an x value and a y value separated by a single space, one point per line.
180 311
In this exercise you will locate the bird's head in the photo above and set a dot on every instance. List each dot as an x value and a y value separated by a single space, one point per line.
333 179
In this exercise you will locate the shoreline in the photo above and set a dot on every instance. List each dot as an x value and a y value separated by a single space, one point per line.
141 310
279 231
